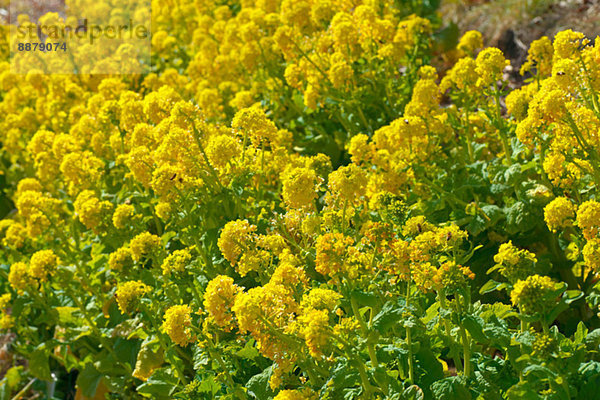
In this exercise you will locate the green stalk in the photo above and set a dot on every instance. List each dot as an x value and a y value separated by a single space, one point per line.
411 373
365 332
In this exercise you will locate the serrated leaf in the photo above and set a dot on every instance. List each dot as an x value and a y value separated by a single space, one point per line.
88 380
389 316
452 388
258 385
475 327
39 364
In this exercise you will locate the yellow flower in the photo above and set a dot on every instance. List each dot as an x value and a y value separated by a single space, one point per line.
139 161
294 76
163 210
28 184
311 96
534 295
360 149
315 331
92 212
144 245
514 263
588 218
81 170
176 324
120 259
235 237
289 273
128 293
463 75
302 394
411 31
332 253
19 277
543 345
568 43
470 42
176 262
15 236
168 181
428 72
517 103
6 321
298 187
253 122
539 57
565 73
273 303
591 254
221 149
219 298
559 213
450 237
416 225
490 63
451 277
320 299
42 264
424 275
348 183
5 301
340 74
122 216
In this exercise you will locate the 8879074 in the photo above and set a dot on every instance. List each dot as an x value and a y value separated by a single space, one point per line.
45 47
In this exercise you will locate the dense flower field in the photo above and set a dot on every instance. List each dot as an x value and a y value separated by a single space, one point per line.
325 199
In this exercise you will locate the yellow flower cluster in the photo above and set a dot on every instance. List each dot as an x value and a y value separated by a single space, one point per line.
128 294
588 218
219 297
559 213
534 294
176 261
290 167
42 264
513 263
144 245
177 322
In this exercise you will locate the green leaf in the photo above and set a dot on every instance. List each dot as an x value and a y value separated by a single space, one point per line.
160 385
580 333
413 392
249 351
201 358
258 385
88 380
364 298
210 386
522 391
39 364
491 286
452 388
475 327
65 315
389 316
539 371
13 377
589 374
343 376
572 295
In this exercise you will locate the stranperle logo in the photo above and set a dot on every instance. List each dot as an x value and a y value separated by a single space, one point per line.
82 37
83 30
